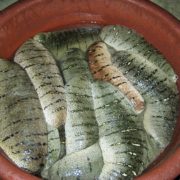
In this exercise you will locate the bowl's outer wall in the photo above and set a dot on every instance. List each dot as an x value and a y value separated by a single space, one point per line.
27 18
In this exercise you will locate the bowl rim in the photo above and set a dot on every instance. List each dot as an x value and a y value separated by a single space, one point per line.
145 17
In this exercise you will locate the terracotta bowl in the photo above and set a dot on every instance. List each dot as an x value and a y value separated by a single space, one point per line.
26 18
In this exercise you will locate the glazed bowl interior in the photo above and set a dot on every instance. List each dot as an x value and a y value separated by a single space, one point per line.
27 18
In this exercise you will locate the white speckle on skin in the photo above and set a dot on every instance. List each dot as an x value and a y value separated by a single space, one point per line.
134 173
124 174
136 144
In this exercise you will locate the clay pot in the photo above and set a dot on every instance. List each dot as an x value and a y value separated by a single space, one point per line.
26 18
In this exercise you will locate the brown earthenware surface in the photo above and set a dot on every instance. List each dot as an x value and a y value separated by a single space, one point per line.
26 18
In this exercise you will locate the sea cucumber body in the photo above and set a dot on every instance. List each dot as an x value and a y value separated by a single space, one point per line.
46 78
